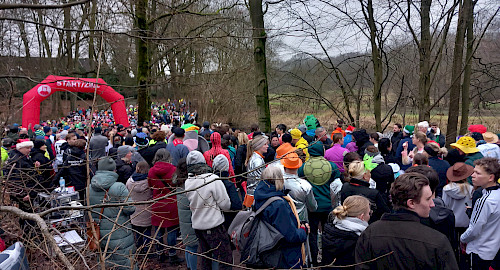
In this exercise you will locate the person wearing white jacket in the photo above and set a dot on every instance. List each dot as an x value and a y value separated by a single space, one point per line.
483 237
206 200
458 193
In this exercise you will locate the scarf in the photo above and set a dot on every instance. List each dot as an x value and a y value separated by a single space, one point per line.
177 142
198 169
294 210
351 224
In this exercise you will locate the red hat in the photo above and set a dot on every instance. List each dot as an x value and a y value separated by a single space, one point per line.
349 129
478 128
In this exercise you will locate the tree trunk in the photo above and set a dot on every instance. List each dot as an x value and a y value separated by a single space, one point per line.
377 67
259 54
93 14
456 72
143 68
24 38
468 67
425 62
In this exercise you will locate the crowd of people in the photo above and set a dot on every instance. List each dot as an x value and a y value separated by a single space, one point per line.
345 198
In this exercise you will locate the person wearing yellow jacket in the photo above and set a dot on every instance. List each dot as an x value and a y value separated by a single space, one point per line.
300 143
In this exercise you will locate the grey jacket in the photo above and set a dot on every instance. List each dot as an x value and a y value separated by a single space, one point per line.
97 146
187 232
455 200
301 192
254 174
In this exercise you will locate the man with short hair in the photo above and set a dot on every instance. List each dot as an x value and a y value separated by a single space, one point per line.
440 138
398 240
97 145
483 234
320 135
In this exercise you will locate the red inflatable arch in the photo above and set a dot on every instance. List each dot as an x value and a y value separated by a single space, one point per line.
33 98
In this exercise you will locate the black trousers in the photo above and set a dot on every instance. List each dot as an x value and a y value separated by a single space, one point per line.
478 263
314 220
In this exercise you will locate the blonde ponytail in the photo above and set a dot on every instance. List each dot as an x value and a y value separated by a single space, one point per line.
353 206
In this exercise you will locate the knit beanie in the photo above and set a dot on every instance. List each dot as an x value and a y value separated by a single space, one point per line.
195 157
258 142
40 133
38 143
220 164
123 151
46 129
106 164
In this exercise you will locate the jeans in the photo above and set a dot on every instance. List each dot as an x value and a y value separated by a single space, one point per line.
192 260
172 234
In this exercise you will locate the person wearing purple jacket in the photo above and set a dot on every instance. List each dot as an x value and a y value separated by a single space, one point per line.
336 153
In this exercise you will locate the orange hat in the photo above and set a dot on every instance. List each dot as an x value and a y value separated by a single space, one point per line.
291 161
284 149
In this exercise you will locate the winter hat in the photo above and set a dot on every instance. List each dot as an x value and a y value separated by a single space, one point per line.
466 144
296 134
24 143
459 171
46 129
258 142
40 133
478 128
490 137
38 143
195 157
37 127
7 142
291 161
429 150
302 128
477 136
349 129
206 124
63 135
220 164
409 129
179 132
54 130
106 164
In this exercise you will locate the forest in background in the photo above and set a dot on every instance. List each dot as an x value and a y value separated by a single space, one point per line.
367 62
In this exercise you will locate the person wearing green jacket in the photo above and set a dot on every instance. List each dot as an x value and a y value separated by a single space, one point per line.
115 228
320 173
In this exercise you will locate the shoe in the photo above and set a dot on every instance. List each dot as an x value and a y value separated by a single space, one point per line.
175 260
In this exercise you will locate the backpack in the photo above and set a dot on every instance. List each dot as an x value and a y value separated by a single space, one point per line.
240 228
317 170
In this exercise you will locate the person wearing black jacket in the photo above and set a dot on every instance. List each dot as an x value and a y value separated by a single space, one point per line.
359 185
21 175
148 153
397 135
362 140
399 240
341 232
124 166
38 154
74 168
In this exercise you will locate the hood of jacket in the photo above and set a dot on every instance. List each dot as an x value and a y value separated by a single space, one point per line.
103 180
215 139
36 151
439 212
311 132
453 190
316 149
139 176
379 159
264 191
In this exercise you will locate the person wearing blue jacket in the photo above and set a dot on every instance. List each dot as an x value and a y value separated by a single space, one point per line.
280 215
407 133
